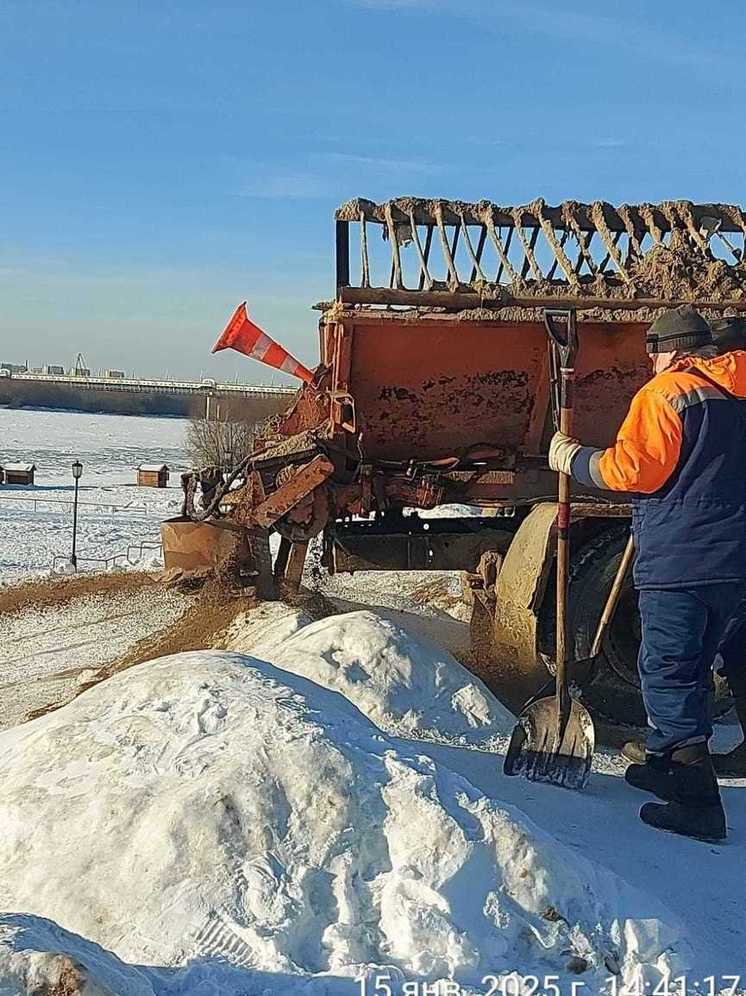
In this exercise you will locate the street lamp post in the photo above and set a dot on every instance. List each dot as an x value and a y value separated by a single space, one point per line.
77 473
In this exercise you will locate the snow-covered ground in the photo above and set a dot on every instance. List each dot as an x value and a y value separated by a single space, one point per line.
213 808
240 828
694 881
113 512
46 654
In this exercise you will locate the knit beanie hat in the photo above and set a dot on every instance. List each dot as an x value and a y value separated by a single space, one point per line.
729 333
678 329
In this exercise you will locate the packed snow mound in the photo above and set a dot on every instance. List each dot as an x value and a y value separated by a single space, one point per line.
261 629
406 685
38 957
210 806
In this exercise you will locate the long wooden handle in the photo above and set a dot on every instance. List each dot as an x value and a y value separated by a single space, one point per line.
613 599
567 380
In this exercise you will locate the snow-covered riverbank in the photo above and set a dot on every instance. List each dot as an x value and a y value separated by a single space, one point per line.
113 512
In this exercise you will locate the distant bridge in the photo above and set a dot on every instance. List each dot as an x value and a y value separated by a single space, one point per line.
139 396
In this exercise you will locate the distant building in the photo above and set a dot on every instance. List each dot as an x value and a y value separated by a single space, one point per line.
14 368
19 473
114 374
80 372
152 475
53 370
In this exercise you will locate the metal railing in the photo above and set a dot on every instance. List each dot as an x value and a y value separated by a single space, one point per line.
116 559
158 386
68 503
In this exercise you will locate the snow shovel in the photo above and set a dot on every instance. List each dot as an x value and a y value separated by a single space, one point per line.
554 738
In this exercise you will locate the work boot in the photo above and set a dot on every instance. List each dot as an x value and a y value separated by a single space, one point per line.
634 750
653 775
695 809
733 764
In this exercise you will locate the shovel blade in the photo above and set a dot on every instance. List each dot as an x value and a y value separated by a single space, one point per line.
543 752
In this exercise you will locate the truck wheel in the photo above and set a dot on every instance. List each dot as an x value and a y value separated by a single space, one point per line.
611 690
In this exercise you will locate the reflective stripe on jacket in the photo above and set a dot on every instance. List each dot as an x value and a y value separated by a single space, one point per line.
681 451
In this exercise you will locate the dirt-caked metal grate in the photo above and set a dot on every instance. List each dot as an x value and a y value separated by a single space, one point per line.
414 249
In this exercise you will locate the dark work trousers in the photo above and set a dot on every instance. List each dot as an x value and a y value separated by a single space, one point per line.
733 652
682 629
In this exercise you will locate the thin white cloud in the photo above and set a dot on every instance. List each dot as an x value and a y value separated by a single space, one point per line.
287 186
321 179
561 22
631 35
608 142
383 163
396 4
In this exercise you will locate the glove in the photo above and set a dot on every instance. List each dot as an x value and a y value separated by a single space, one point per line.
562 451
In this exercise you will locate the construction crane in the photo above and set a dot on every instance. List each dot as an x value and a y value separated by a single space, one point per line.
81 368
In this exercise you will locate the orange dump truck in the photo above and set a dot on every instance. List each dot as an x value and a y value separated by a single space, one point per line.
434 388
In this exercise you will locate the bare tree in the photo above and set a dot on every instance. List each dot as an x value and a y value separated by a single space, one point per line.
224 444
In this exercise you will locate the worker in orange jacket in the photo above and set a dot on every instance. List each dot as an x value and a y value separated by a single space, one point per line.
728 334
681 452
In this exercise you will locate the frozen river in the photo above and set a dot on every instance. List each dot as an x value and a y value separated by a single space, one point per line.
114 513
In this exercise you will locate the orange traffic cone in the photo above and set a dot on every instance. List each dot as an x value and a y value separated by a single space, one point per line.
242 335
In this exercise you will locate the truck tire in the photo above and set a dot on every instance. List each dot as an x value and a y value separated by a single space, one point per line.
611 689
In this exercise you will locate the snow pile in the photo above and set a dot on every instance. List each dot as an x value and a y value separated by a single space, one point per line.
262 629
407 686
38 957
209 807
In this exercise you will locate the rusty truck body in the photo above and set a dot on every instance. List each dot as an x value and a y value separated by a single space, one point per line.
434 387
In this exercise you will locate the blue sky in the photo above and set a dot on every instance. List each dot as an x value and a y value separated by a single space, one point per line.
160 161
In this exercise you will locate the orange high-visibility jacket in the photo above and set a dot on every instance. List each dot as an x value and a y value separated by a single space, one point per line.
681 451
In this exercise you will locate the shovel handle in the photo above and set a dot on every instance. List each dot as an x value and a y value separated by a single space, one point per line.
567 377
561 328
564 340
613 599
563 345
